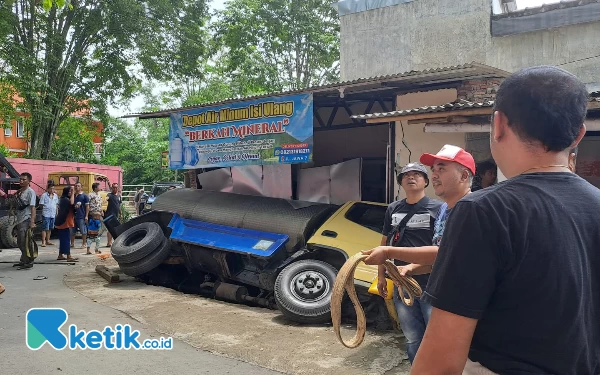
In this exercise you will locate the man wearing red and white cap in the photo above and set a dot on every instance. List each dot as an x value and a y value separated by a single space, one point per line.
452 174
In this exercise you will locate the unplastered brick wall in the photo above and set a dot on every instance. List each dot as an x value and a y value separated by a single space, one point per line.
480 90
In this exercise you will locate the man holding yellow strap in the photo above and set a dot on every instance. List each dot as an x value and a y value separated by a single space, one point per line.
409 223
452 175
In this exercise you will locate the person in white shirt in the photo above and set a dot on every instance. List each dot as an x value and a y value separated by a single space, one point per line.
49 201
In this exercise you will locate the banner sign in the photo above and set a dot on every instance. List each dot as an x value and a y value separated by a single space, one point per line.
276 130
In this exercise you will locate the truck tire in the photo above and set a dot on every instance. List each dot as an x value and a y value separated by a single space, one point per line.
3 222
148 263
303 291
137 242
8 232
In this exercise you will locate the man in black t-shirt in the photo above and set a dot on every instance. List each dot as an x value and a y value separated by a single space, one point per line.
516 283
418 231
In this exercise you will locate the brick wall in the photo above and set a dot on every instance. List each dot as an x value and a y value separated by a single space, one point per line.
477 91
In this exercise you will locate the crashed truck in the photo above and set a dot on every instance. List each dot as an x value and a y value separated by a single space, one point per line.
256 250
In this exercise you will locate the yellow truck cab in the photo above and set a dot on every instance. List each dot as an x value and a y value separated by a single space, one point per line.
63 179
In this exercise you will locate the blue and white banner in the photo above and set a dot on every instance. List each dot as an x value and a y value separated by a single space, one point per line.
276 130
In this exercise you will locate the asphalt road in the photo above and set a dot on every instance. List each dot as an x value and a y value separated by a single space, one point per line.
23 293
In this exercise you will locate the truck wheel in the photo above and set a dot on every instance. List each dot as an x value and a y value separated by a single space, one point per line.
137 242
148 263
303 291
8 232
3 223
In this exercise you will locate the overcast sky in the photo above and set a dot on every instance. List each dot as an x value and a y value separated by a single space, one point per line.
218 4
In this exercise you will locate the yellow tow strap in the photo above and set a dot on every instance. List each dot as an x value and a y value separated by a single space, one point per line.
345 281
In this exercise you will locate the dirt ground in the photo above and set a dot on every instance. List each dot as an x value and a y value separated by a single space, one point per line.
255 335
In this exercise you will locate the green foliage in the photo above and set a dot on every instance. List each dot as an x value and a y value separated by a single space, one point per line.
124 215
137 149
75 141
275 45
214 90
6 152
8 108
65 56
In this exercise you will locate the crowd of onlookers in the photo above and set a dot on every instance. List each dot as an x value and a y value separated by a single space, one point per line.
71 212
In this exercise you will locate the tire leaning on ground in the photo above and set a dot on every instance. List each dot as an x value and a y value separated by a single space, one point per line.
148 263
3 223
303 291
137 242
8 233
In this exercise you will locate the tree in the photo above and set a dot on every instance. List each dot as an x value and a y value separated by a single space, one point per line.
64 56
137 149
275 45
123 146
75 141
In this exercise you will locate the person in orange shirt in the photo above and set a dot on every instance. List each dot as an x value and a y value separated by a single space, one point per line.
65 220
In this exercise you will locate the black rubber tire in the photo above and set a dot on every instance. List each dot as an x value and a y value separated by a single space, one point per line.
137 242
149 262
304 311
3 223
7 234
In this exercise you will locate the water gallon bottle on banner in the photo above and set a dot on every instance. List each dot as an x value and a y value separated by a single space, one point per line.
175 149
191 155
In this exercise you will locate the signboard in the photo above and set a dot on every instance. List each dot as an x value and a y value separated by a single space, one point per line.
164 160
276 130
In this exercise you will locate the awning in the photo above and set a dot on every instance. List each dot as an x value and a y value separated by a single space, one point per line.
460 108
459 116
392 85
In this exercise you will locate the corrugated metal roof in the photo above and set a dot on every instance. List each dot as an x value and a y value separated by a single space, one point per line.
414 78
449 107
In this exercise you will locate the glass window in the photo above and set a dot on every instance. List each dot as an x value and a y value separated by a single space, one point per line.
20 128
368 215
68 180
8 131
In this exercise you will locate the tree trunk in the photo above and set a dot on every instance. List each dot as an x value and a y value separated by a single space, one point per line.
43 132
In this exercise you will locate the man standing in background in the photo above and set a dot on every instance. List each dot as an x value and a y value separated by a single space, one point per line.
113 208
82 212
95 199
25 212
49 201
486 176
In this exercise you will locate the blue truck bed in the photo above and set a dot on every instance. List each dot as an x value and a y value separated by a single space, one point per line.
221 237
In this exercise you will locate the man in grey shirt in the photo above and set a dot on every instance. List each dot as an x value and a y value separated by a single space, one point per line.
25 212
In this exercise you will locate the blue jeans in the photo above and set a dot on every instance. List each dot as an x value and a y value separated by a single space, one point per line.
413 321
64 236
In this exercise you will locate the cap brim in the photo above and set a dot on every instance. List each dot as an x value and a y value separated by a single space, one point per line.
429 159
